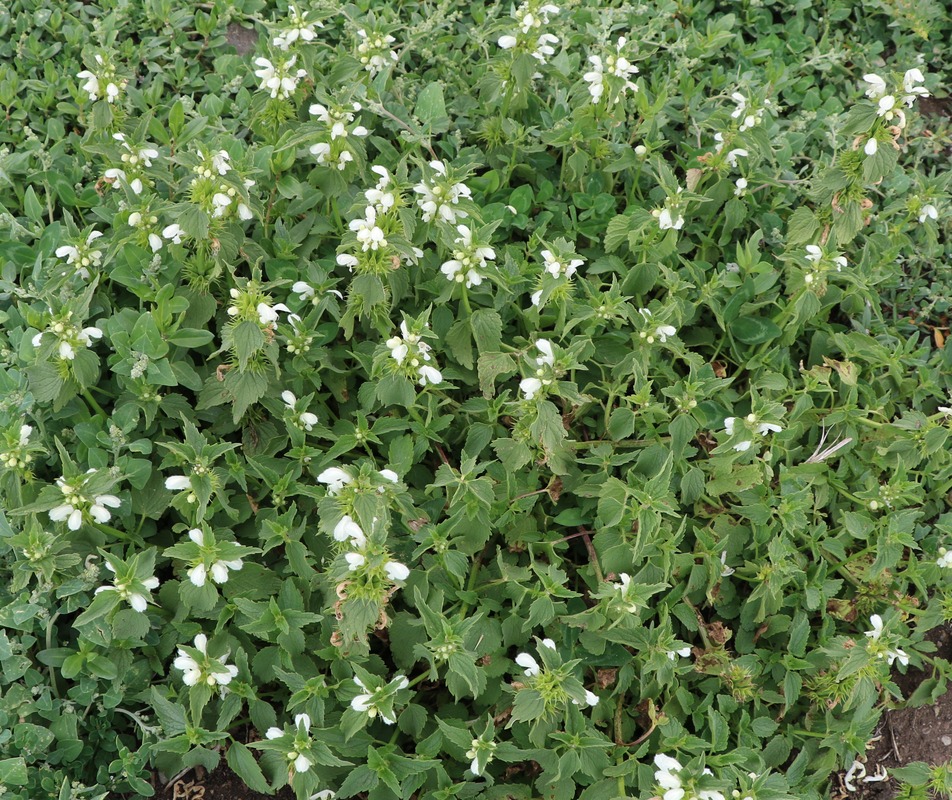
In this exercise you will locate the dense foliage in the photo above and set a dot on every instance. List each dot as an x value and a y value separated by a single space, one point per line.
459 400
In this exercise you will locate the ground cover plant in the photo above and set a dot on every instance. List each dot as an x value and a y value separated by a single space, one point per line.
442 400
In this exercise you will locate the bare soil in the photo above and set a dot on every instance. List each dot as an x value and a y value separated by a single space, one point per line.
242 39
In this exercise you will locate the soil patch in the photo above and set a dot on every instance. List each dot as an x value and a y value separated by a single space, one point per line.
242 39
909 734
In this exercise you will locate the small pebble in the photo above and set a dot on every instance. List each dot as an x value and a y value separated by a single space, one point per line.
947 740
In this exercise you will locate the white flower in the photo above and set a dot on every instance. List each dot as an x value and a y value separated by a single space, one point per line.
912 91
875 86
897 655
354 561
269 314
740 187
440 198
928 211
667 220
91 86
430 374
335 479
886 104
99 510
529 664
871 147
545 347
389 475
530 387
374 50
136 599
348 530
683 652
507 42
544 48
945 558
726 571
764 428
178 483
174 233
306 419
733 155
396 571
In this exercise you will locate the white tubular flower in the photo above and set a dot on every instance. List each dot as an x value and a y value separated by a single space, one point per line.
683 652
928 211
101 503
871 147
886 105
529 664
591 699
174 233
347 530
877 622
303 290
389 475
875 86
736 153
430 375
396 571
623 587
269 314
763 428
507 42
543 47
91 85
354 561
335 479
740 187
194 672
305 419
945 558
178 483
547 358
530 387
380 197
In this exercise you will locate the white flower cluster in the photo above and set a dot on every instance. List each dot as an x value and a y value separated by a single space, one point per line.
545 364
468 259
557 266
338 121
908 93
297 28
531 16
615 65
144 223
368 701
15 457
409 350
532 669
302 728
668 777
440 196
303 419
671 214
335 479
133 161
137 593
225 196
750 422
82 254
748 114
891 655
212 672
944 560
655 332
75 505
374 52
480 750
623 587
821 262
382 197
264 312
369 234
279 79
102 81
70 338
740 185
218 571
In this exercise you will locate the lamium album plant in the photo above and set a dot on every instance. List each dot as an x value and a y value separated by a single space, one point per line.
441 400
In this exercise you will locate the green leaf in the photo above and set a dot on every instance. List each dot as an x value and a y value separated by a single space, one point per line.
430 107
247 338
13 772
754 330
241 760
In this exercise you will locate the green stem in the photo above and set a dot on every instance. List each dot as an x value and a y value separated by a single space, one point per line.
92 402
471 581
